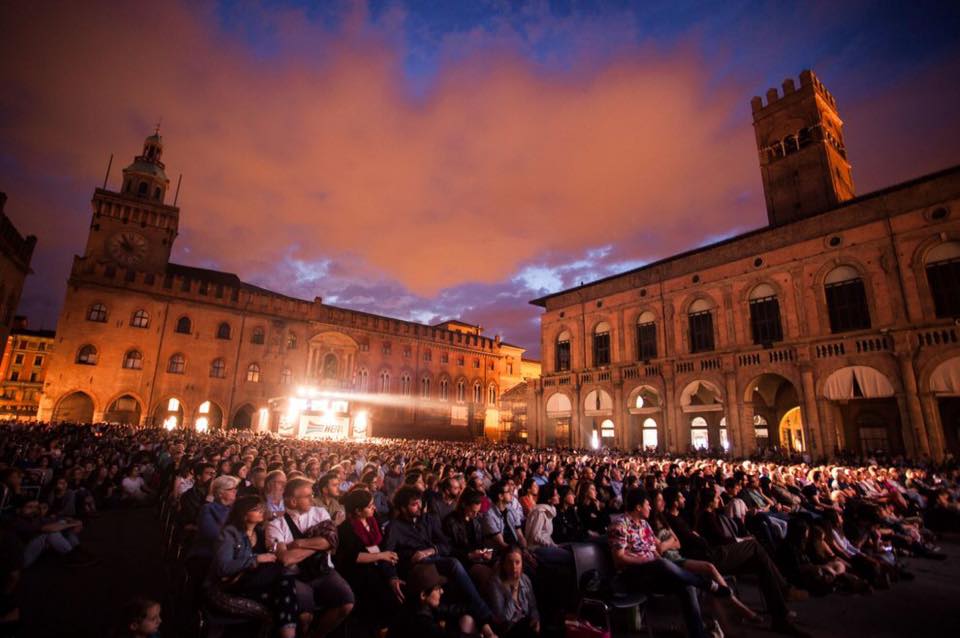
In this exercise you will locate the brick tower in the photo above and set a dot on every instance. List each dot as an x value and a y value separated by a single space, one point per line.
803 160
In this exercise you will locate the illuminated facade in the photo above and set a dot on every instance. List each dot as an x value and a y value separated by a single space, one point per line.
142 340
835 328
22 371
15 254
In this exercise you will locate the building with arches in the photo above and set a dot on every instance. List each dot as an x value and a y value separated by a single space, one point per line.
144 341
834 328
22 371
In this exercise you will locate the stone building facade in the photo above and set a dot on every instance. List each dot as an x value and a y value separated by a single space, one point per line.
15 254
834 328
142 340
23 368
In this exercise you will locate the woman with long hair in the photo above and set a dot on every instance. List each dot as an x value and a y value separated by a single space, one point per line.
509 593
242 565
592 514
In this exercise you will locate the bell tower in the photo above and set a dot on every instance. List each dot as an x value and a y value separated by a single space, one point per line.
803 159
134 228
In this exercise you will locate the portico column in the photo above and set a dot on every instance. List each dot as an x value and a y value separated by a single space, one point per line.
576 437
733 412
931 415
748 437
818 444
914 411
834 435
620 417
539 422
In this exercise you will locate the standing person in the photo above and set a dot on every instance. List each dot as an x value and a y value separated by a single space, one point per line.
305 536
509 593
242 566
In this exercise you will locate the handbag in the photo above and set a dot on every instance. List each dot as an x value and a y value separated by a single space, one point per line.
579 627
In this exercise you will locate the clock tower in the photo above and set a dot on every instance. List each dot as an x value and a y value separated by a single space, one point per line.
134 228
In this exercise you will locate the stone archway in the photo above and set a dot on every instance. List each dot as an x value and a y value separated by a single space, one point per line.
76 407
124 409
209 417
169 413
559 412
702 405
243 417
944 385
869 413
771 396
645 419
597 409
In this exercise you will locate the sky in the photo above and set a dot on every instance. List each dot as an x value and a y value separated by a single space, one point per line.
437 159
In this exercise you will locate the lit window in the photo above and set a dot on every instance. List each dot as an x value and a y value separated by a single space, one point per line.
97 312
286 376
405 384
363 380
461 391
87 356
133 360
218 369
492 395
384 382
477 393
425 388
140 319
291 341
257 335
173 405
204 408
253 373
444 389
176 364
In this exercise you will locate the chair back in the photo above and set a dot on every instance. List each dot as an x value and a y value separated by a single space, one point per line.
593 556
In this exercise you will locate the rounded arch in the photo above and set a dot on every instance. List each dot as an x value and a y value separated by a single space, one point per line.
559 404
766 384
208 416
74 407
562 333
941 374
701 396
601 326
598 402
702 300
918 265
132 359
492 393
140 319
87 355
644 399
646 315
243 417
760 287
168 412
331 366
124 409
184 325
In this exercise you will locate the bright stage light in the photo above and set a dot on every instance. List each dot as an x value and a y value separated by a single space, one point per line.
170 423
202 424
595 440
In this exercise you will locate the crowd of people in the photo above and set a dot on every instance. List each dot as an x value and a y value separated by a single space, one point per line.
432 538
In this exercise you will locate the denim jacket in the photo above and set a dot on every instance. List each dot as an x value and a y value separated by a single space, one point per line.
233 554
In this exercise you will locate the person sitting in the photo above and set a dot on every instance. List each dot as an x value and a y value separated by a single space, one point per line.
590 510
567 526
39 533
327 490
446 501
256 481
273 487
213 515
510 595
242 566
501 526
368 569
304 536
529 495
418 538
465 533
194 498
641 568
135 491
139 618
423 615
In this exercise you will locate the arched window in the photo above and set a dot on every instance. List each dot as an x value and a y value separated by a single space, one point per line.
98 313
142 190
133 360
444 389
286 376
183 325
176 364
218 369
363 380
461 391
384 382
330 365
846 300
291 341
646 336
943 276
649 434
803 137
257 335
765 315
87 355
601 344
699 435
492 395
700 321
405 384
425 388
477 393
790 144
223 330
140 319
253 373
563 351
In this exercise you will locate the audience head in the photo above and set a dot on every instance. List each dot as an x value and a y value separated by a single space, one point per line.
224 489
298 494
246 510
358 503
408 501
140 618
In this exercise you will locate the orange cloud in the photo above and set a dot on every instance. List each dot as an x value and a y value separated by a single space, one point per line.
324 154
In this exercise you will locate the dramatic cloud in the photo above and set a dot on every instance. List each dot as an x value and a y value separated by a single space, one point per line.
315 164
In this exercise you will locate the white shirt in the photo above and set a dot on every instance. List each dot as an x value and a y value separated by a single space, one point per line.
134 487
278 531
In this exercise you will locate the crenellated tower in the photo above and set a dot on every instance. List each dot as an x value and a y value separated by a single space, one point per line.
803 159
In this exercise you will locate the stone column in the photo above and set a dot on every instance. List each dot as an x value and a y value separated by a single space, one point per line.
811 419
734 406
931 415
620 420
914 411
668 424
908 433
834 436
748 438
576 437
536 426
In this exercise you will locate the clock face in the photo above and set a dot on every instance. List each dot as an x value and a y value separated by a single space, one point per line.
128 248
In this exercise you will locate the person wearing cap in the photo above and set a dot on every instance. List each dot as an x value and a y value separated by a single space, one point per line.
423 615
214 514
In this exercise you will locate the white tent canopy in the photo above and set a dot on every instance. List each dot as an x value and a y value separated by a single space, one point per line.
946 377
597 402
873 384
559 405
